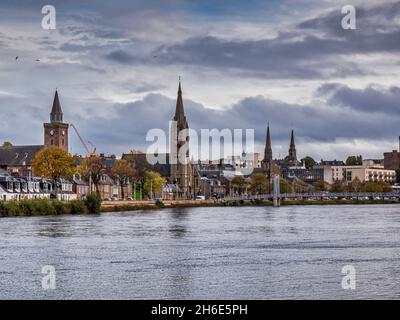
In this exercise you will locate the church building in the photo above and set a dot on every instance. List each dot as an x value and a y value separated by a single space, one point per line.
56 131
180 166
17 160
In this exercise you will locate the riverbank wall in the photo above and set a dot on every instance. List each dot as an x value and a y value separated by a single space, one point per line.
115 206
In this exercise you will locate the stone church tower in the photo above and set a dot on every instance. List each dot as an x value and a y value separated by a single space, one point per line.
292 151
56 132
181 168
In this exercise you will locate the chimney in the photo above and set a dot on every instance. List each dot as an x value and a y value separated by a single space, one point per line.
399 143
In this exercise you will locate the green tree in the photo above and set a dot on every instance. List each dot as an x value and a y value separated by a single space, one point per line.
153 183
300 186
53 163
7 144
92 168
386 187
321 186
354 186
123 172
371 186
93 202
354 161
239 183
308 162
337 186
259 183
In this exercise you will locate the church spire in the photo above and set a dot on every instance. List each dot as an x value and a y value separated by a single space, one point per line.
292 151
292 144
268 147
181 171
56 114
180 117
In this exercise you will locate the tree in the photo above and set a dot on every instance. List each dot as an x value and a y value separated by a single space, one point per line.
92 168
354 186
123 172
337 186
7 144
300 186
53 163
354 161
371 186
153 183
321 186
386 187
239 183
259 183
308 162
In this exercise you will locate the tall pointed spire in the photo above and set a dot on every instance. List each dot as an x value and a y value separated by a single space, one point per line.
292 139
181 172
268 147
292 151
180 117
56 114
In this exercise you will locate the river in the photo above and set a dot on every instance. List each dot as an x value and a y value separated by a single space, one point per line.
291 252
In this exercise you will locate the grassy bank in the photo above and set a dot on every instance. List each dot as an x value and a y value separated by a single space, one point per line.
44 207
41 207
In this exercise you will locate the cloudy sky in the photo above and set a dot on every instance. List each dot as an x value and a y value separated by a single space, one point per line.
243 64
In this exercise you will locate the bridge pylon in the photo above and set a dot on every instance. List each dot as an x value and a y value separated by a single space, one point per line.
277 191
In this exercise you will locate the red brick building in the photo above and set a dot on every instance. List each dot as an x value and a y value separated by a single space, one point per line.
392 160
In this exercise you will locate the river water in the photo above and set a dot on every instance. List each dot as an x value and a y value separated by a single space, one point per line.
290 252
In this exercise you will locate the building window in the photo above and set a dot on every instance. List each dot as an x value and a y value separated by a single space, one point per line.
52 142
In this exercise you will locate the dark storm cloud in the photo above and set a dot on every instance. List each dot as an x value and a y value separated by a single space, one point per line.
378 29
126 127
316 48
262 58
120 56
312 123
369 100
104 34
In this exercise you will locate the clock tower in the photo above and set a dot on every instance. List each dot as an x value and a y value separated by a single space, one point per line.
56 132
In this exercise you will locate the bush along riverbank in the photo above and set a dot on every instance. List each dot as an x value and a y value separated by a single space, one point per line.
46 207
92 204
41 207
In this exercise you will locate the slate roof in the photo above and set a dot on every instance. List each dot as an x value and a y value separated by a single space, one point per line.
18 155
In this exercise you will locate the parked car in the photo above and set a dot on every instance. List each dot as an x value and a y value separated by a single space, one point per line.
200 198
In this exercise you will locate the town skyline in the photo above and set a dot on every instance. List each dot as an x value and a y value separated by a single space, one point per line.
260 148
113 74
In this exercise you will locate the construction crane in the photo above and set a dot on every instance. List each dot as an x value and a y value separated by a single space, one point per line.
83 142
